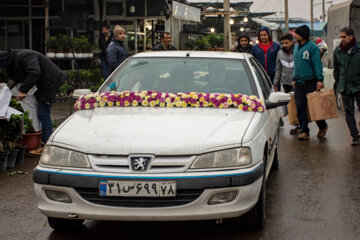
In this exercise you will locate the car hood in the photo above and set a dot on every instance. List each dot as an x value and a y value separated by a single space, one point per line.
161 131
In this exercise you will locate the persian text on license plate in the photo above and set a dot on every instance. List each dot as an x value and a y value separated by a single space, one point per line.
137 188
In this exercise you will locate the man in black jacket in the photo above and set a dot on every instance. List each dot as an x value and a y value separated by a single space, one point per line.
244 45
104 41
165 43
116 52
31 68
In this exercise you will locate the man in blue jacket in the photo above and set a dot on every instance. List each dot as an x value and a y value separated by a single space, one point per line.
308 77
116 52
266 52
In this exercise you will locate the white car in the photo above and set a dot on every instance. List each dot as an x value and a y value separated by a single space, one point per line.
136 151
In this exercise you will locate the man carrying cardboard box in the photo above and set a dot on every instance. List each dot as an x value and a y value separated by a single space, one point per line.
308 77
347 77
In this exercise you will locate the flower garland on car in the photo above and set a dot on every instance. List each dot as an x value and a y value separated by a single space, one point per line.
169 100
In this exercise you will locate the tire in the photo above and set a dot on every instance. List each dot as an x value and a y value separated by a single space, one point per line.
255 218
65 224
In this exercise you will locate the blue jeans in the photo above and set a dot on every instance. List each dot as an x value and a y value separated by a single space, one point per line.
44 110
104 66
301 101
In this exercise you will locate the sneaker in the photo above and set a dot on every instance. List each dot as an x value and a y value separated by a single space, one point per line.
356 140
322 133
295 130
37 151
304 136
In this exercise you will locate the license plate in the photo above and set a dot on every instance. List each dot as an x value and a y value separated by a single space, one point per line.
137 188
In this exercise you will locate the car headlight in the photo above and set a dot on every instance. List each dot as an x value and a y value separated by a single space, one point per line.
63 157
221 159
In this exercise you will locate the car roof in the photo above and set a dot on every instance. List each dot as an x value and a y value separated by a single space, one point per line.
196 54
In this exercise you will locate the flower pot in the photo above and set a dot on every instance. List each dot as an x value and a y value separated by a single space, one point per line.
31 140
12 158
50 54
21 155
3 161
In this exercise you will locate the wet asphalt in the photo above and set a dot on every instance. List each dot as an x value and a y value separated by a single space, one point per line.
315 194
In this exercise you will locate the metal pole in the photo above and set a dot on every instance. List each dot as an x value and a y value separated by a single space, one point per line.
312 14
323 11
286 14
226 6
135 32
152 33
47 31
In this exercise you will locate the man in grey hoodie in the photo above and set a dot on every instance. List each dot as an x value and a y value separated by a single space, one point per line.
284 69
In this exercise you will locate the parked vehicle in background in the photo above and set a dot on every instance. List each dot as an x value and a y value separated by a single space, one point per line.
167 154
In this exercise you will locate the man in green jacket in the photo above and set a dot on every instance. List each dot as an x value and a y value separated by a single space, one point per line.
307 77
347 77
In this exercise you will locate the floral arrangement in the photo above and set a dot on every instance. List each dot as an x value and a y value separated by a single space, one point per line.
169 100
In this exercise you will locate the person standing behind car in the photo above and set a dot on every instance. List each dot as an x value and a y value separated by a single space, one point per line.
31 68
308 77
116 52
244 45
284 69
104 40
165 44
266 52
347 77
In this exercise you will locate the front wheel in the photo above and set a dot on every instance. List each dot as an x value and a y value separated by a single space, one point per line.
65 224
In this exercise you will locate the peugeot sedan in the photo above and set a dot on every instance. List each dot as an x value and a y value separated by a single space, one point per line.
170 136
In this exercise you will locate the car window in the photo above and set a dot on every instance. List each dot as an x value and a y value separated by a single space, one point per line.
208 75
264 81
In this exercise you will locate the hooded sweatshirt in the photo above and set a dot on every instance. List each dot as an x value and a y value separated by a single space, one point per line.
284 67
266 54
241 49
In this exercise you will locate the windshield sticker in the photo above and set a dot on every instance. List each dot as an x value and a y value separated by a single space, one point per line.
169 100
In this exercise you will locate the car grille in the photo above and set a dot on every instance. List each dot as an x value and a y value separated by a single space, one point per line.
182 197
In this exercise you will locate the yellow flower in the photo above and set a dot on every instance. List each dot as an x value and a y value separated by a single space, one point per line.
249 109
127 94
162 104
157 102
87 106
110 104
178 103
96 105
153 95
202 99
197 104
105 98
262 102
152 104
113 92
229 101
98 99
195 96
221 105
184 104
236 95
241 107
210 103
102 104
88 96
126 103
122 96
252 97
118 103
205 104
177 98
147 97
212 95
142 94
135 103
170 105
145 103
168 100
235 104
260 109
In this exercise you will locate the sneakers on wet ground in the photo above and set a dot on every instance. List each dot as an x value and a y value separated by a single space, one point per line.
356 140
322 133
281 122
304 136
295 130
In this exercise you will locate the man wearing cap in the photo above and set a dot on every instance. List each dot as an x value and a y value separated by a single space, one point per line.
307 77
116 52
244 45
165 43
266 52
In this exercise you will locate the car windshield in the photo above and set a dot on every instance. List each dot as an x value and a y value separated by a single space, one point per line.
174 75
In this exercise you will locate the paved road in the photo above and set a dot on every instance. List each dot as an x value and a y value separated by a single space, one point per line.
314 195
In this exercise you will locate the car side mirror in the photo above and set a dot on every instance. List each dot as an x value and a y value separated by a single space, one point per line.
79 92
277 99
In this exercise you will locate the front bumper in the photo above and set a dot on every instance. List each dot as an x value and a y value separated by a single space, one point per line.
247 183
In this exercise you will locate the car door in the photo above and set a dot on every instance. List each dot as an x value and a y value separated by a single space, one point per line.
271 127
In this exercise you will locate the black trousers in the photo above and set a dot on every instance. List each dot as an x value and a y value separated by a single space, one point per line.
301 101
349 106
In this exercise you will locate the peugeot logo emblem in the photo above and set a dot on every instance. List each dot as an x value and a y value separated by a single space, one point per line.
140 163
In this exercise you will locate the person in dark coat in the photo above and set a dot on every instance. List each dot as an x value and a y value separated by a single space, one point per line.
165 43
104 40
116 52
31 68
266 52
244 45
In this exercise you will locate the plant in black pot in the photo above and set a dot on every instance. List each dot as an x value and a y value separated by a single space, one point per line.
4 153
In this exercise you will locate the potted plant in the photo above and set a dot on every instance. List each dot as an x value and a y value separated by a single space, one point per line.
60 44
4 153
30 139
51 46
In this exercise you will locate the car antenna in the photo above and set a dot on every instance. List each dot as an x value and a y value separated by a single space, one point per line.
188 54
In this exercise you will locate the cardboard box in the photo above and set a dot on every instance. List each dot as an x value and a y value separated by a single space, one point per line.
322 105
